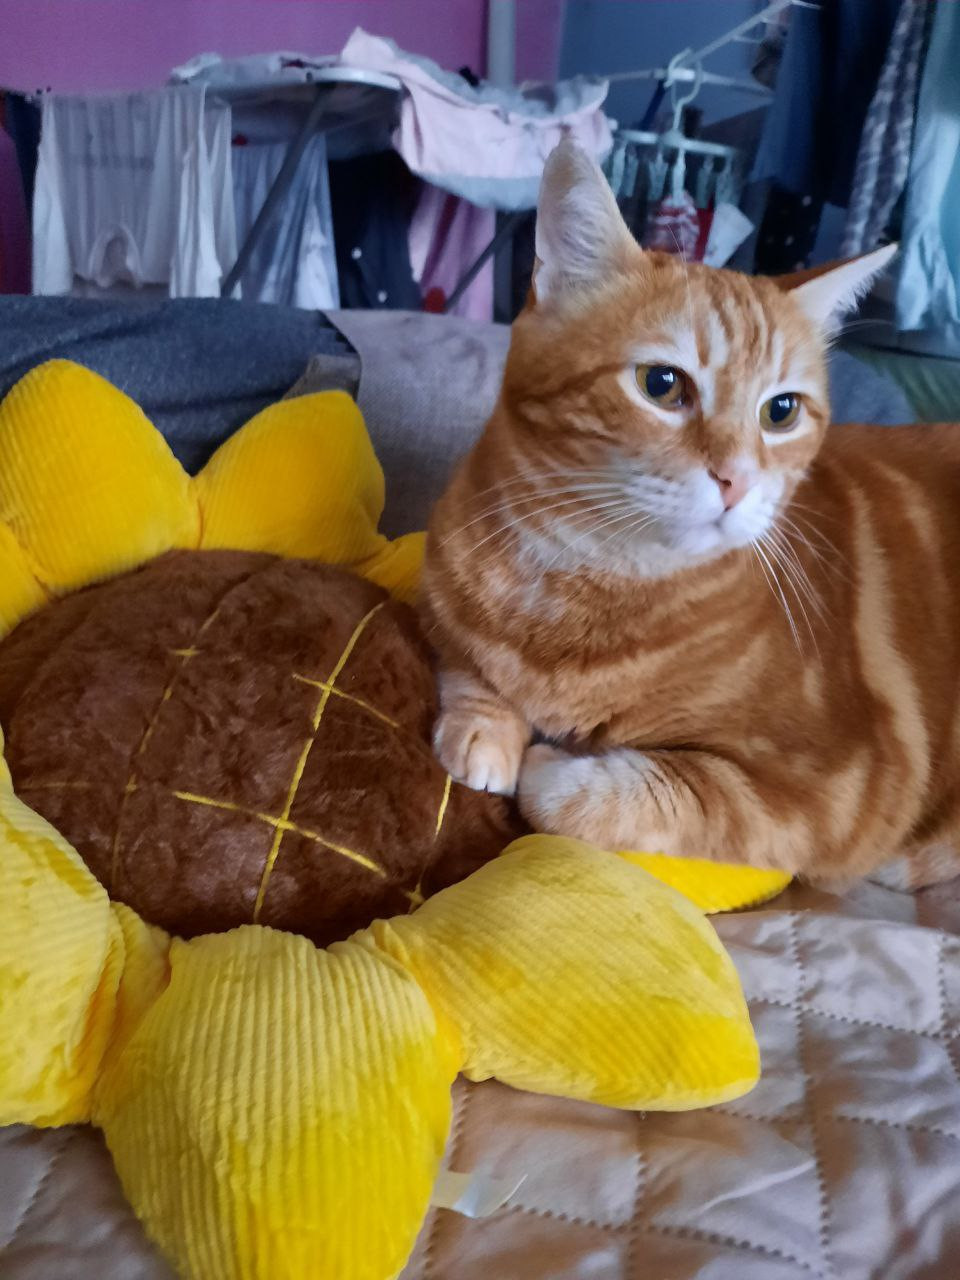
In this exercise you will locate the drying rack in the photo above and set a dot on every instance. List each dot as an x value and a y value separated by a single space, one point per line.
339 99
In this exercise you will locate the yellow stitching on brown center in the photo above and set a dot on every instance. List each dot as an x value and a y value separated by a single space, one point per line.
414 897
442 812
55 786
131 785
348 697
304 754
281 824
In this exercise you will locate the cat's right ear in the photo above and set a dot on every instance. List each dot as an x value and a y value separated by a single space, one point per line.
582 240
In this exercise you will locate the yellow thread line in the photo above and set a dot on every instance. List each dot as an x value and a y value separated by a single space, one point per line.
281 824
131 784
304 754
130 788
349 697
414 896
443 805
55 786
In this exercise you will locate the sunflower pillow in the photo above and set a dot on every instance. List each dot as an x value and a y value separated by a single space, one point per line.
217 763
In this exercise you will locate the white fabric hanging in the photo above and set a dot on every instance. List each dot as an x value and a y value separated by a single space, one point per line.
294 261
134 189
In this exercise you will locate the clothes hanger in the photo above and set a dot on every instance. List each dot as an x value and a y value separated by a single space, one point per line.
735 34
674 138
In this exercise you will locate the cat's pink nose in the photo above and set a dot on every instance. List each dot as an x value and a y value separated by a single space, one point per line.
734 483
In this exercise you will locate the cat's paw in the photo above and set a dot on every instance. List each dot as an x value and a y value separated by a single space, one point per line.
484 754
554 790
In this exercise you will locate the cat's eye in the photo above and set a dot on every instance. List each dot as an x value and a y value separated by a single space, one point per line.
781 412
662 384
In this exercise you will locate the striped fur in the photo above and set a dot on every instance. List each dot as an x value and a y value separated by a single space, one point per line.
787 697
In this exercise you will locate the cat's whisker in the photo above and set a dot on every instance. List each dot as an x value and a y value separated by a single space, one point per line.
590 511
511 503
525 518
636 527
783 599
763 570
621 515
788 528
573 475
835 560
779 562
794 566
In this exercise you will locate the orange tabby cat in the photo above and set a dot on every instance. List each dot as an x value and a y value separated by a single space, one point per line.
736 626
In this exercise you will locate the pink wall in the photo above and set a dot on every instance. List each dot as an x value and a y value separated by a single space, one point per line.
99 45
539 28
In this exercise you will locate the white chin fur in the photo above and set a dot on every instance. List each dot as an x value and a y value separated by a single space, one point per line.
689 526
747 521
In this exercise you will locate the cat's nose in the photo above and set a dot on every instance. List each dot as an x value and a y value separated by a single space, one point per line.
733 482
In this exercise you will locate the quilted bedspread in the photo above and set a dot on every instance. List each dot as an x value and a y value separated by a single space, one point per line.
844 1161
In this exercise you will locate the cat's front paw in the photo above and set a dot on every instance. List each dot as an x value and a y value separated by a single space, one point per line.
554 791
482 753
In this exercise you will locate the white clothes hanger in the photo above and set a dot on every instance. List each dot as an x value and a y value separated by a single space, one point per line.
735 34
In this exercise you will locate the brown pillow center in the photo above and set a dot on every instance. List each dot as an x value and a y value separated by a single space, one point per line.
230 738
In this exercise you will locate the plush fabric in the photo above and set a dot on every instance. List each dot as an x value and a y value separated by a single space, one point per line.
275 1110
300 480
166 736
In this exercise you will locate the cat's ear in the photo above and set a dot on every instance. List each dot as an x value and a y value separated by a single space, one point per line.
581 238
827 294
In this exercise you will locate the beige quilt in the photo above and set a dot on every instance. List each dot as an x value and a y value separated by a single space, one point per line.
844 1161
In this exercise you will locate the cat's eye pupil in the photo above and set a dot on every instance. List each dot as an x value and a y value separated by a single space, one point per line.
781 408
662 385
660 381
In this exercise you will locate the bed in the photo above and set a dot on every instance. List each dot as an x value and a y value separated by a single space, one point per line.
843 1162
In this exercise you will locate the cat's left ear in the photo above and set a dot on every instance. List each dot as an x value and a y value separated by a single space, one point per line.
828 294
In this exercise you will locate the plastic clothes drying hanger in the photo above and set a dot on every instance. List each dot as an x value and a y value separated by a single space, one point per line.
767 14
674 138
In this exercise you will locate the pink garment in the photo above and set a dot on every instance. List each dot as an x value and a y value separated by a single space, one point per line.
14 224
447 235
485 144
674 227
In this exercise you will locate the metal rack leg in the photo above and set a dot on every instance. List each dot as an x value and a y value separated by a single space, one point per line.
277 192
504 233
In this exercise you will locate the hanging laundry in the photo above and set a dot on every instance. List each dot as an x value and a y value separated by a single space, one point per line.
21 119
831 65
830 68
14 226
486 144
788 232
674 227
294 261
447 235
372 198
928 289
134 189
883 160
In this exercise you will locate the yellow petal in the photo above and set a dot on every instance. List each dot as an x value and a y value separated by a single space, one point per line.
568 971
281 1112
20 593
397 567
300 479
88 487
712 886
61 954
